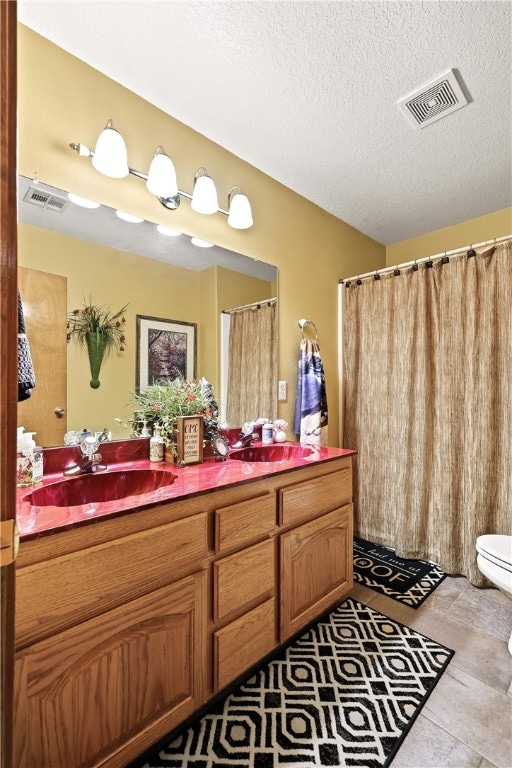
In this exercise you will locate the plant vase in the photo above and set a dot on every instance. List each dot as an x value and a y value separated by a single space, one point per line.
95 349
170 454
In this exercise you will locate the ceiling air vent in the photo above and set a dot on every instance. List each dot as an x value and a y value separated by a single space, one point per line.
47 200
433 101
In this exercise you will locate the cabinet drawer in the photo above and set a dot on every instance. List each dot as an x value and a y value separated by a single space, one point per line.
304 500
70 589
242 643
243 523
242 578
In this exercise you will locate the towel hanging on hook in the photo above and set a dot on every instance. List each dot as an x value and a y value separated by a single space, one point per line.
310 415
302 324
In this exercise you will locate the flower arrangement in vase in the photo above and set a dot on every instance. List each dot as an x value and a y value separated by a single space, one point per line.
160 404
99 330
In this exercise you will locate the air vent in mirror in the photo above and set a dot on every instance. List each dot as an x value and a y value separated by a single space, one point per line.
47 200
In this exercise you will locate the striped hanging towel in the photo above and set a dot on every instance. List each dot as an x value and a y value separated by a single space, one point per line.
310 421
26 377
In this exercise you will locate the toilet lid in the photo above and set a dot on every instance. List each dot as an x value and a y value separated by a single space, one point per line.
499 547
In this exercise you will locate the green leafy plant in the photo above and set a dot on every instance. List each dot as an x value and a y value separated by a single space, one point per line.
100 320
161 404
99 330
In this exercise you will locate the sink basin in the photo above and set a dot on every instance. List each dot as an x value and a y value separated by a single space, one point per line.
276 452
107 486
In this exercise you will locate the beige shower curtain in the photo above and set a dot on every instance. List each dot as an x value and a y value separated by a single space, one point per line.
428 406
252 365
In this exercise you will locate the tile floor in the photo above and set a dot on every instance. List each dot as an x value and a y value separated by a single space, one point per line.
467 721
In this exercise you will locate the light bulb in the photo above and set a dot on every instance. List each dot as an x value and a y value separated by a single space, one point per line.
240 214
129 217
204 196
200 243
83 201
162 176
110 157
167 231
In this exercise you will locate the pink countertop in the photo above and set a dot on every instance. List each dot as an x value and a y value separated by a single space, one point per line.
35 521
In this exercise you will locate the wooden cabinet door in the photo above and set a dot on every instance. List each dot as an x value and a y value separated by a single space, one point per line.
315 568
105 690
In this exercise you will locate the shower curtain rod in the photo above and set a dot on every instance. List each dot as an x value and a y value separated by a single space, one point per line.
248 306
384 270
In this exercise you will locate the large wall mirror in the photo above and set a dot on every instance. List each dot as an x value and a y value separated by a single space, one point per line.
69 255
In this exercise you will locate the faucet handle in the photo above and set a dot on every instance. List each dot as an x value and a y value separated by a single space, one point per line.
89 445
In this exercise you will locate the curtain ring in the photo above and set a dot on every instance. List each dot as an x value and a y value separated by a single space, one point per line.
359 281
445 259
396 271
376 276
471 252
415 266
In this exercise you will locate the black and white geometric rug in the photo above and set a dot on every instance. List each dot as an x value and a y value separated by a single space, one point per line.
344 693
408 581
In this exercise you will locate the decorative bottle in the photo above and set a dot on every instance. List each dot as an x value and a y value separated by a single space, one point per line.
156 446
279 436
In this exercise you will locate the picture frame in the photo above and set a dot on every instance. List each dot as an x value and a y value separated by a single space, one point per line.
166 350
189 443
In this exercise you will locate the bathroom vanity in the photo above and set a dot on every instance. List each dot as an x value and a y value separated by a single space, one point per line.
132 614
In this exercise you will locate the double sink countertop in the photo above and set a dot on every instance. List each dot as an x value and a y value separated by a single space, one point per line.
129 455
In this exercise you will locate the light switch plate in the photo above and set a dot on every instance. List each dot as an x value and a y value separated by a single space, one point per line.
281 390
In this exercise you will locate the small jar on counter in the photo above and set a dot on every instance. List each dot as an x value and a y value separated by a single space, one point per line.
267 433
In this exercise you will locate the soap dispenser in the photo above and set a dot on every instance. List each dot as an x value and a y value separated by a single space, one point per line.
156 446
29 459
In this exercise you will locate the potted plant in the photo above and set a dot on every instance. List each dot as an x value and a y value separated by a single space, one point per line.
160 405
99 330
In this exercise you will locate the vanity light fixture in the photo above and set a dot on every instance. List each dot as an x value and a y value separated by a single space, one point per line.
110 158
240 214
162 176
167 231
83 201
204 196
129 217
200 243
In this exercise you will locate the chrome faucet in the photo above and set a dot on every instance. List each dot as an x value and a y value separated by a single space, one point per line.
91 460
245 439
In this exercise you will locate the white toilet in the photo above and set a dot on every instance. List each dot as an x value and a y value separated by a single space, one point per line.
494 561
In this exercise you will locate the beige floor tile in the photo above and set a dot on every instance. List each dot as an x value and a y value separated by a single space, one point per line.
429 746
474 713
362 594
484 763
475 608
481 655
443 597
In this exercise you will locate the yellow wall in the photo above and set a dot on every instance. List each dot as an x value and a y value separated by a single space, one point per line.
497 224
62 100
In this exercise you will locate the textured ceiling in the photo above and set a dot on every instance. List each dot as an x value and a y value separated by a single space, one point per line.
307 92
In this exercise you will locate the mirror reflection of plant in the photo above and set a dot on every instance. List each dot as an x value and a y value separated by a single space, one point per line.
91 318
161 404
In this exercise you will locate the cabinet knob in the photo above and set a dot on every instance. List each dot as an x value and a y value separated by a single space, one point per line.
59 412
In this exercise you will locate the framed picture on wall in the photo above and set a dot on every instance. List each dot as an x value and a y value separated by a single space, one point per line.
166 349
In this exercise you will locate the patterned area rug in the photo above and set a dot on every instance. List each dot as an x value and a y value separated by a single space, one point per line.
408 581
345 693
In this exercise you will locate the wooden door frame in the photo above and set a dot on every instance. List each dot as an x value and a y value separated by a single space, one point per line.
8 355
